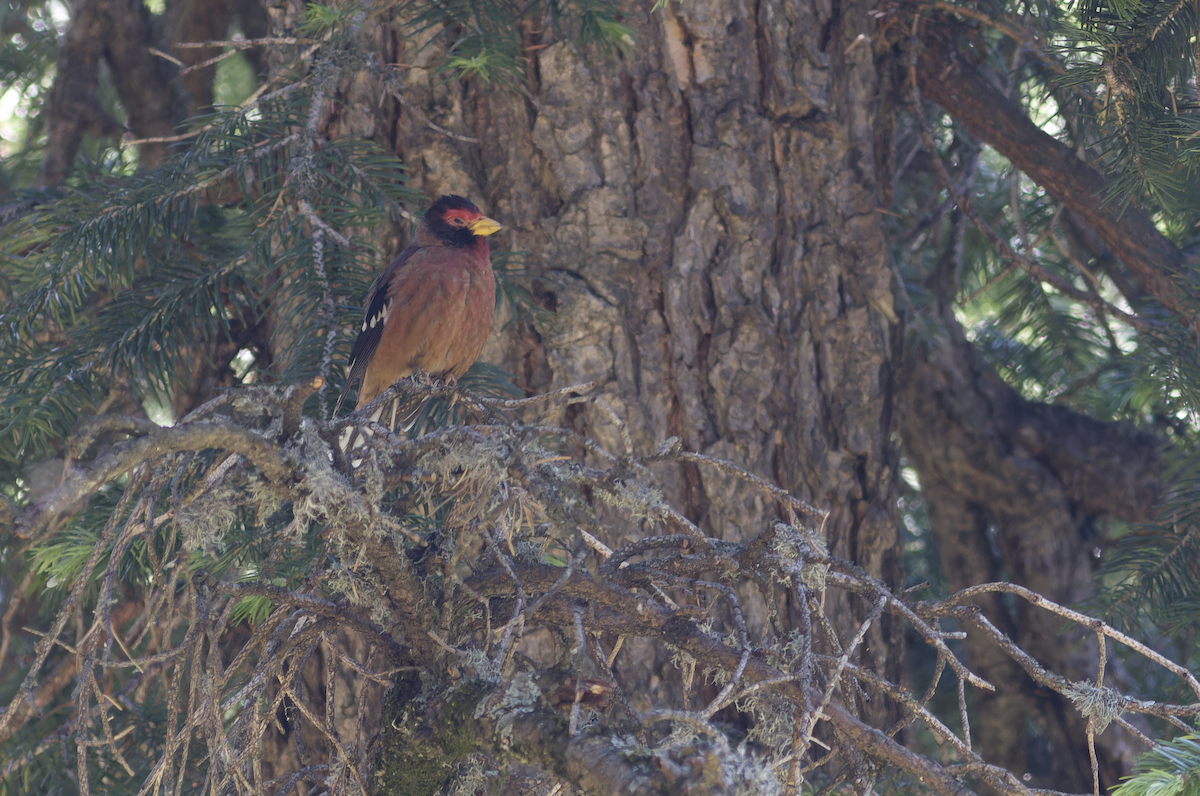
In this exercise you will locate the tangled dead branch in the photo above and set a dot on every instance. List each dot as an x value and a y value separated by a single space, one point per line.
255 613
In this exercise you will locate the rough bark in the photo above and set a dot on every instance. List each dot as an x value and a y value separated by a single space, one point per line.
702 217
704 223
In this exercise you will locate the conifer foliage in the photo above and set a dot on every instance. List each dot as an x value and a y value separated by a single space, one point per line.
117 283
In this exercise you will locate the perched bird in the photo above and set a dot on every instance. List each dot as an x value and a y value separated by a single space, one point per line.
431 310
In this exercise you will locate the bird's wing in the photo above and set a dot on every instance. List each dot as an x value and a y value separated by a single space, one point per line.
378 305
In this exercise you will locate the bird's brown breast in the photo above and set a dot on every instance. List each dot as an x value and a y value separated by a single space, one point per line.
441 303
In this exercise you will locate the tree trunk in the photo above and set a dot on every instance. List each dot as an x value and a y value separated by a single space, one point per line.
1013 489
701 215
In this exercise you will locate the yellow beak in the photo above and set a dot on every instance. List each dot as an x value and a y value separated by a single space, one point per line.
484 226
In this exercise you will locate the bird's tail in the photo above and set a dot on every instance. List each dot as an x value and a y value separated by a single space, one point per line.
404 416
341 399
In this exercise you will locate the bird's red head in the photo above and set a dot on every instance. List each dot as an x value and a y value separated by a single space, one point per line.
458 222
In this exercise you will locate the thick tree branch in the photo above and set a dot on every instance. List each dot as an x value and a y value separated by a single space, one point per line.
402 598
74 109
948 76
118 31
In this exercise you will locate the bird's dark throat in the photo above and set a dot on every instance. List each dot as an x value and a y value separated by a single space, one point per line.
453 236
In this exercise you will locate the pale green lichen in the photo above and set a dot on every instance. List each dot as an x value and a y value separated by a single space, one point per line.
471 777
482 456
363 587
1099 703
328 498
774 719
748 775
643 502
264 497
795 547
483 667
204 522
521 696
528 551
709 768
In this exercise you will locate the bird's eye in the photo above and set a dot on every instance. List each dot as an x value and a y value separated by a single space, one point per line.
457 221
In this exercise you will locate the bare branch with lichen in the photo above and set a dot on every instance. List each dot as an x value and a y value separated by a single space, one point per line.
438 555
